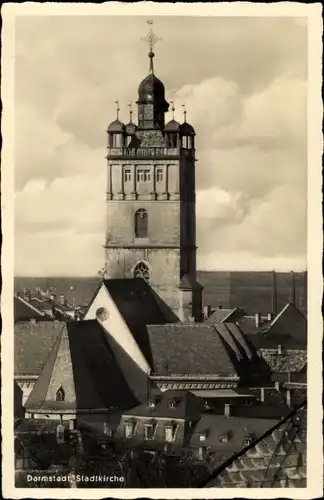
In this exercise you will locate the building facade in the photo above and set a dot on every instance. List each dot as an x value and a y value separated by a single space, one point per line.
151 214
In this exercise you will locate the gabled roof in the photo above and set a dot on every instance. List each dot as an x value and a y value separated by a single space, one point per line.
225 315
289 321
187 405
277 459
136 302
83 364
24 311
188 349
33 344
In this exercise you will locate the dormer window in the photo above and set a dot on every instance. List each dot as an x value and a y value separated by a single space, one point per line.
169 433
248 440
223 438
172 403
60 394
202 436
152 403
149 431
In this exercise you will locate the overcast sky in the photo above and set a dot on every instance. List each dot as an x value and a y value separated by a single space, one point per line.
244 83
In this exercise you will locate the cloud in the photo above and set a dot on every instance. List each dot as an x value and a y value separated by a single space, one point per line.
246 97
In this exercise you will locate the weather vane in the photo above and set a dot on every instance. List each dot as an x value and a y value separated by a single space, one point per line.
117 109
130 112
151 39
184 112
172 109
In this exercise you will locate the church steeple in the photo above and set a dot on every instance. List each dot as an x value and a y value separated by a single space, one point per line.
151 93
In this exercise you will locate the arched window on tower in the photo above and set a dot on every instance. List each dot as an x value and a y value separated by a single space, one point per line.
142 271
60 394
141 223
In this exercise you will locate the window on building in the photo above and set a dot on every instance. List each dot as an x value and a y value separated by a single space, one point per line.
147 175
247 440
143 175
223 438
142 271
60 394
129 430
169 432
141 223
127 175
159 175
148 431
172 140
203 436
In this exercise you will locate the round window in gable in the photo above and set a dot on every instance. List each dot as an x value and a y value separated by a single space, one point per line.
102 314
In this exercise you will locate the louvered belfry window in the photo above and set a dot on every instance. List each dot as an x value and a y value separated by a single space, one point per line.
141 223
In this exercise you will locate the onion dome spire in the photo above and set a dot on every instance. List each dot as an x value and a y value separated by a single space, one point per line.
116 126
172 125
151 39
130 127
186 129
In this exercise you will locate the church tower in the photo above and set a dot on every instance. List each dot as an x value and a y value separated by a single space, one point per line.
151 216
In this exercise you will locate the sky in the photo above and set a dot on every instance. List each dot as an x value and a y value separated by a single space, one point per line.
244 83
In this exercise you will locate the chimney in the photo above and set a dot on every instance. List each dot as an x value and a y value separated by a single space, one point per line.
280 350
220 306
62 300
27 294
227 410
269 317
73 302
262 394
277 386
257 320
71 424
207 311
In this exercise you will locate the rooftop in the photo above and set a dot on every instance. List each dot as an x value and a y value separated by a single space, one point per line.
277 459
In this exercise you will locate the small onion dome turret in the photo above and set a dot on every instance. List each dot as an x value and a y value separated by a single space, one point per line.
187 130
116 127
130 128
172 126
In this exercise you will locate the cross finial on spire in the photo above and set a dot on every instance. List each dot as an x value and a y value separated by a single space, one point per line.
130 112
151 39
117 109
184 112
172 109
